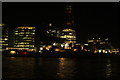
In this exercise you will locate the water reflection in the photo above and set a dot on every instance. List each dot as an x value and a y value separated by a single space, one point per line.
36 68
66 69
12 58
108 70
60 68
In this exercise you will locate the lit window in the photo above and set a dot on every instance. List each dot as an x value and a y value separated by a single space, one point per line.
50 24
99 51
90 40
68 36
21 32
27 32
16 33
12 52
53 31
47 31
33 33
70 33
58 32
6 38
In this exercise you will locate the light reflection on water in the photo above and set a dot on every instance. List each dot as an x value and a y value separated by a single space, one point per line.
66 69
12 58
60 68
108 69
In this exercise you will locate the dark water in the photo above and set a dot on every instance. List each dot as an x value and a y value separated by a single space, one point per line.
61 68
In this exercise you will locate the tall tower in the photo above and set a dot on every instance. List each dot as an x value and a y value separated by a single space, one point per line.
68 32
69 19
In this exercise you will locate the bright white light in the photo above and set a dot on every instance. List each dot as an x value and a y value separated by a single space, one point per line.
41 48
82 47
103 51
50 24
86 44
99 51
62 45
40 51
6 39
106 52
70 33
54 44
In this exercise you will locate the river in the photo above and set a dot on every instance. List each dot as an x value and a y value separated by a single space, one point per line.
60 68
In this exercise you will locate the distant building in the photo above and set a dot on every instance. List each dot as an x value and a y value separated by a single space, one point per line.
68 32
24 37
54 35
54 32
98 45
64 37
6 39
70 36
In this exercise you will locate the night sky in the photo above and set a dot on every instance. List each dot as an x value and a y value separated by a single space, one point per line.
91 19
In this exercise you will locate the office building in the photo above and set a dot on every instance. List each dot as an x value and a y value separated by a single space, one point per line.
24 38
4 37
98 45
70 36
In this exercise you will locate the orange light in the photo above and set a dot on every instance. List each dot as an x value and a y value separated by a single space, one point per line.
75 50
57 49
26 27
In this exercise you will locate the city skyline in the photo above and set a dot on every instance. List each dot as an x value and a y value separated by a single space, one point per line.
60 40
90 18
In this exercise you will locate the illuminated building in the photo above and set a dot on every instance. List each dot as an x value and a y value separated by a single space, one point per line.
68 32
98 45
7 39
54 34
24 37
4 37
70 36
67 35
